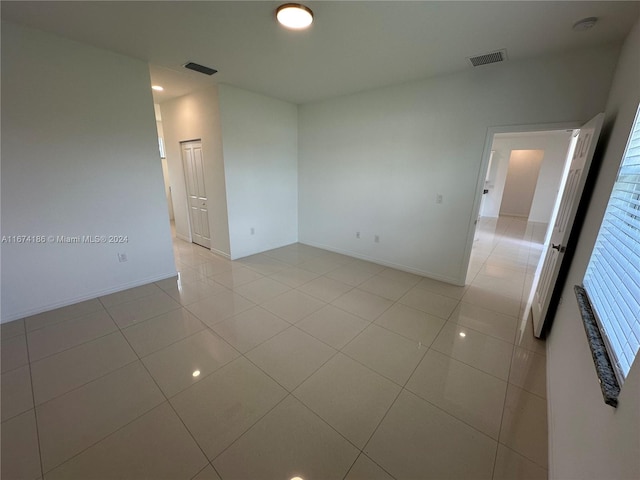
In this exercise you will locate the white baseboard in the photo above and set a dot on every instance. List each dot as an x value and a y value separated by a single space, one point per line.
221 253
183 237
262 249
213 250
88 296
385 263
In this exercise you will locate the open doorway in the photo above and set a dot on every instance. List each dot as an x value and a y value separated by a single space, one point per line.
496 246
520 185
525 174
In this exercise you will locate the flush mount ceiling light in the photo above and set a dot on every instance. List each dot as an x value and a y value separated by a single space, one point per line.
157 88
585 24
294 16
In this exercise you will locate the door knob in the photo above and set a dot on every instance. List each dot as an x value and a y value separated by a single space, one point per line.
558 247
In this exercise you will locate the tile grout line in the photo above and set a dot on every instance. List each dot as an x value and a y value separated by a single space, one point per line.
504 401
117 429
88 382
510 366
103 438
111 433
40 359
506 391
516 321
123 302
382 421
391 404
249 428
289 393
117 330
166 399
203 469
308 376
35 411
28 364
402 387
56 322
362 453
118 327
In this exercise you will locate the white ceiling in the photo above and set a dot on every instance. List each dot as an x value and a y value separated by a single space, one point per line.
352 45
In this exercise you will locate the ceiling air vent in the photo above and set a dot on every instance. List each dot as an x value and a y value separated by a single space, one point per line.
486 58
200 68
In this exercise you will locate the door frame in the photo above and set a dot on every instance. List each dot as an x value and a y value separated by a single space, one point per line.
482 174
180 182
543 319
186 190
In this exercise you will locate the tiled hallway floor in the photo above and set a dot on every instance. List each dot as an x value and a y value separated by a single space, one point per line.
297 362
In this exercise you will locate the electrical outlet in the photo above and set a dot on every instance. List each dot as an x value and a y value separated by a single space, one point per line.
376 239
253 231
357 234
439 198
122 257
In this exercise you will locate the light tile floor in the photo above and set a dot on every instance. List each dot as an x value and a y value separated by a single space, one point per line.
296 362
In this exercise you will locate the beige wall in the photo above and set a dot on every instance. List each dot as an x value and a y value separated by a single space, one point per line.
522 177
555 145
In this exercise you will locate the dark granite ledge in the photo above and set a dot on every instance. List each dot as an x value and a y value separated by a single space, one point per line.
604 367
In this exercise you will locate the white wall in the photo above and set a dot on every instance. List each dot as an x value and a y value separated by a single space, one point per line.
167 187
588 439
79 157
260 157
495 181
374 162
550 176
196 116
555 145
520 185
164 163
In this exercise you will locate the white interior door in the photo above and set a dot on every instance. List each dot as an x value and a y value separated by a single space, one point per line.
556 248
197 195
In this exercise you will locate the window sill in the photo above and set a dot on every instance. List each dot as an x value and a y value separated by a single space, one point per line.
604 368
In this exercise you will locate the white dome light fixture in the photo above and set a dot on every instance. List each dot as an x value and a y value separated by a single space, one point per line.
294 16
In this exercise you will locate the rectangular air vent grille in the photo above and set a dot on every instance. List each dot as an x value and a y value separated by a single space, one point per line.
486 58
200 68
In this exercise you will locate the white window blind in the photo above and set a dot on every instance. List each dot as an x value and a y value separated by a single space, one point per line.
612 280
